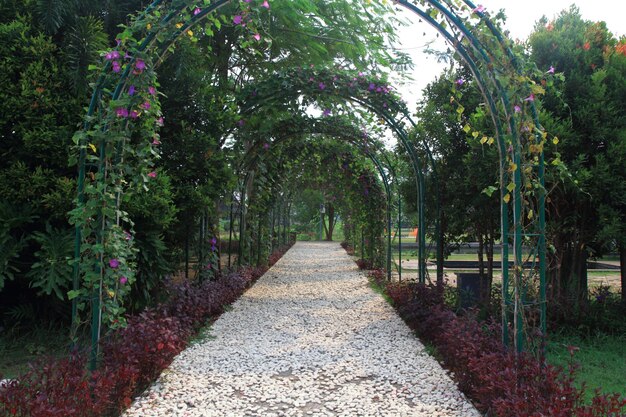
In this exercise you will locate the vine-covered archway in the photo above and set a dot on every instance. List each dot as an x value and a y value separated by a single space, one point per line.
118 144
294 127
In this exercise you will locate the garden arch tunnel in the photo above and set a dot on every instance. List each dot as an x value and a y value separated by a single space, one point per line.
339 128
117 125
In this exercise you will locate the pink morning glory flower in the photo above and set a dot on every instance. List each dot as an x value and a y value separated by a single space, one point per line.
517 109
266 146
116 67
134 114
530 98
156 141
146 105
123 280
551 70
322 86
266 4
196 11
159 121
152 174
114 263
257 36
128 235
121 112
152 90
479 9
237 19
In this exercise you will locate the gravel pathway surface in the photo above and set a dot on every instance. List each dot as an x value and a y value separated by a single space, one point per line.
310 338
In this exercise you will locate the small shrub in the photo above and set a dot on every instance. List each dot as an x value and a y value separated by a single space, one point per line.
364 264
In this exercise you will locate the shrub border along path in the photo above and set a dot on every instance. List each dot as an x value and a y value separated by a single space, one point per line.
132 357
496 381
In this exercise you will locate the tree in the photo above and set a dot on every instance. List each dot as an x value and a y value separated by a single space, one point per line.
585 212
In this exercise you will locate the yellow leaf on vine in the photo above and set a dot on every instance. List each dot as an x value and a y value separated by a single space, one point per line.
507 198
530 214
179 25
92 147
149 26
513 167
510 187
490 141
111 293
483 140
190 32
555 140
475 134
467 128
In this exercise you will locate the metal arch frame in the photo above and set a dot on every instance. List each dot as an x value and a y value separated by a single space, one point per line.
499 94
352 139
404 139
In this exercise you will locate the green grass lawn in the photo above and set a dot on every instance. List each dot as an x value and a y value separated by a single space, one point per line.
602 361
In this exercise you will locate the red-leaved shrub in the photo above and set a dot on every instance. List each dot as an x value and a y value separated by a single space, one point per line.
131 358
498 382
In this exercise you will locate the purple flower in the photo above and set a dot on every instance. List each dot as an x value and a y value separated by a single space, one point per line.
322 86
257 36
152 174
134 114
196 11
121 112
460 81
517 109
530 98
326 113
116 67
128 235
237 19
114 263
146 105
372 86
140 65
123 280
241 122
266 146
155 140
152 91
551 70
159 121
213 241
361 74
265 4
131 90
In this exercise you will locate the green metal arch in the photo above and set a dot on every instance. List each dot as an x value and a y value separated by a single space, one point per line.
476 55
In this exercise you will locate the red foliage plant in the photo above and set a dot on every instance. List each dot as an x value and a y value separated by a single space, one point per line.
499 383
131 357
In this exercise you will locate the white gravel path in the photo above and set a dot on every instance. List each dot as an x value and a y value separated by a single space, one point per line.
310 338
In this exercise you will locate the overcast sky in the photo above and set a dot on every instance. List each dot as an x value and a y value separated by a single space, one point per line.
521 17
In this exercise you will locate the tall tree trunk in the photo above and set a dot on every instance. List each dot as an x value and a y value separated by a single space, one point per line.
330 210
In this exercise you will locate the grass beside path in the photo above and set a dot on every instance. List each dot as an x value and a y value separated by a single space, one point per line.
602 360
